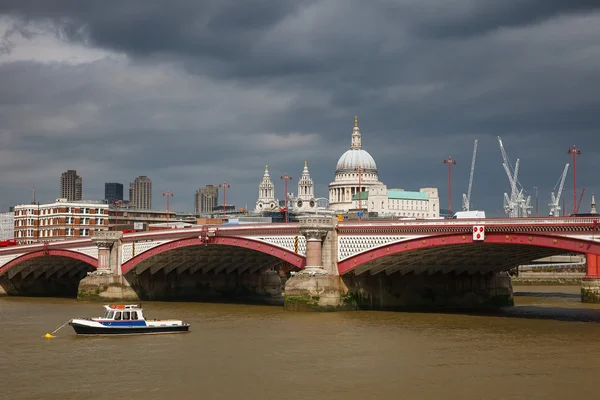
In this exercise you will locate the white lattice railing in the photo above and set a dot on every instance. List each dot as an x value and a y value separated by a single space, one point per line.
8 258
88 251
130 250
285 242
490 221
349 246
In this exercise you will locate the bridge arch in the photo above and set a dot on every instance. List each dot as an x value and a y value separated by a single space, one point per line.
34 255
48 272
423 253
245 246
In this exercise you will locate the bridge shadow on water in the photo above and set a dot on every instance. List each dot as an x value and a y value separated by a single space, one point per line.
555 306
523 312
543 313
576 296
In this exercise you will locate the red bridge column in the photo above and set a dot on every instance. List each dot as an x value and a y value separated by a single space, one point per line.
590 284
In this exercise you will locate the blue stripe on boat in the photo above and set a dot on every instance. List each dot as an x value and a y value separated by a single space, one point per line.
124 323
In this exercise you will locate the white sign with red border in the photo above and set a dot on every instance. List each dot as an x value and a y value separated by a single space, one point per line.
478 233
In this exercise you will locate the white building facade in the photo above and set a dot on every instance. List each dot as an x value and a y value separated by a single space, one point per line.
7 225
59 220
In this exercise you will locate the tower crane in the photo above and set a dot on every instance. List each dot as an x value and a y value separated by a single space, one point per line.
555 203
517 205
466 202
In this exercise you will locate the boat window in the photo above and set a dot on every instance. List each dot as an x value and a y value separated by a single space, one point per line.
134 315
118 315
105 314
126 315
111 314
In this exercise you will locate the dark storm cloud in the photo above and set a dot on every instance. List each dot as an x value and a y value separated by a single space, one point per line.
481 17
214 90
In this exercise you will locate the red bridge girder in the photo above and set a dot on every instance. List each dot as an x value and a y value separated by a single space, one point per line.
564 244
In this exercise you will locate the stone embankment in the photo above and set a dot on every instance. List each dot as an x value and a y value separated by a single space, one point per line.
548 278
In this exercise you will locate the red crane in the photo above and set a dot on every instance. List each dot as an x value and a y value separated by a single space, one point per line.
167 195
287 178
580 198
225 186
360 171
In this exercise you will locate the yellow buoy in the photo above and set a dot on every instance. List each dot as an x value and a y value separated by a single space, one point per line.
48 336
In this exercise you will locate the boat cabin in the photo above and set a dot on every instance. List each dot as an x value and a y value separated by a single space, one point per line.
121 312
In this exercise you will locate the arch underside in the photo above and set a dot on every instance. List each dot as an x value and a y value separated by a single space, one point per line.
462 258
202 259
49 267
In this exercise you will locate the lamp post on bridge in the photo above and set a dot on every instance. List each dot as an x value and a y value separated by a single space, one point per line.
536 200
287 178
117 203
167 195
450 163
225 186
360 171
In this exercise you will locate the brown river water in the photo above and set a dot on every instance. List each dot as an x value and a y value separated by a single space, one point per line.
547 347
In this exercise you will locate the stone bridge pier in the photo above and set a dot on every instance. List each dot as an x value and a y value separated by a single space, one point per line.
318 287
590 284
107 282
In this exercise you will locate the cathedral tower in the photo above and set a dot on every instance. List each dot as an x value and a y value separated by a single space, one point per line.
266 193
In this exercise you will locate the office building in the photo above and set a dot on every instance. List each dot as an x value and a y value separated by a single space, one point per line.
113 191
71 186
140 193
206 199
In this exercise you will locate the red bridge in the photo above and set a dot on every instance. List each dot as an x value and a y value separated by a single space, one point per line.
372 264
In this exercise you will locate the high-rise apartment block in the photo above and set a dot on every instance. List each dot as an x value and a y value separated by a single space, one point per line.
206 199
71 186
140 193
113 191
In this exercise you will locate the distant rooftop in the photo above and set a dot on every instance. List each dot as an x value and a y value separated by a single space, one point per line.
396 194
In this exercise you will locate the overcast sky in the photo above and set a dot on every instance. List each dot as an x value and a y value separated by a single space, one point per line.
199 92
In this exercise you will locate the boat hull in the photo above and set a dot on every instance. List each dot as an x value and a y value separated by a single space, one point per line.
133 330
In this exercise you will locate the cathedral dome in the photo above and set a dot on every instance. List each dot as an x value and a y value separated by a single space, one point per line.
356 157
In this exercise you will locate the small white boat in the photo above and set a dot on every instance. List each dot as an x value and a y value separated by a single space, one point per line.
125 320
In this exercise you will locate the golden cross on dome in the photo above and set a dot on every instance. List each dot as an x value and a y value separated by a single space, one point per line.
356 121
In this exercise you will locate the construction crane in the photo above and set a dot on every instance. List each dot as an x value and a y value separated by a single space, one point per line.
579 202
517 205
466 202
510 203
555 198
